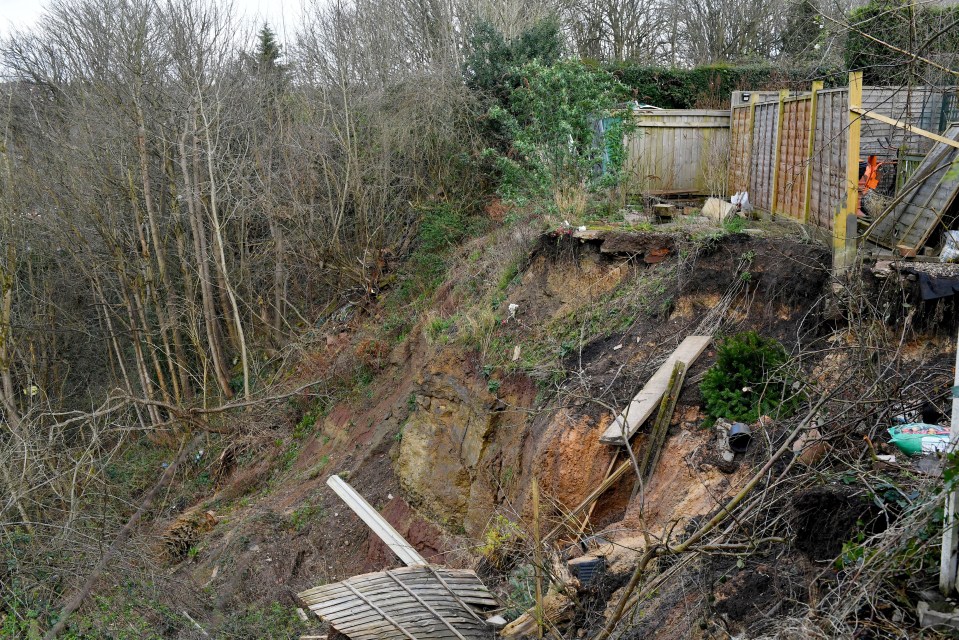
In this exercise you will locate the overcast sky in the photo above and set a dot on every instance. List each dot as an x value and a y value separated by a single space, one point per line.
23 13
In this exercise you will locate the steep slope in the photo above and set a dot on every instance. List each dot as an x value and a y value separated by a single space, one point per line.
447 427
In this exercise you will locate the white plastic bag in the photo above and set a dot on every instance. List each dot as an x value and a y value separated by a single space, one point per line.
741 200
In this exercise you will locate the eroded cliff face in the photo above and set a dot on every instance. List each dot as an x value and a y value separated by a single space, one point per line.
470 448
465 452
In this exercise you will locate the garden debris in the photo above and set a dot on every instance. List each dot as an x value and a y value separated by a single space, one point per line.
664 212
647 400
587 568
918 438
929 617
718 210
556 608
411 602
725 451
740 437
656 255
950 250
741 201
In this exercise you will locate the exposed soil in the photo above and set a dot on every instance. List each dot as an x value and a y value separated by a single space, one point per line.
439 448
827 517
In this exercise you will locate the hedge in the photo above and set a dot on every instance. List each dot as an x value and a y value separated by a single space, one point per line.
711 87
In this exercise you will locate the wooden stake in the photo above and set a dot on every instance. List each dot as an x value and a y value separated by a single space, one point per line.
783 94
657 436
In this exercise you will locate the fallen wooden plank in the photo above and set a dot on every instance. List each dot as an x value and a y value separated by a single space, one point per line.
383 529
647 400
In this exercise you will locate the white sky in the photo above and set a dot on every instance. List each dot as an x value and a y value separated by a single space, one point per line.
281 14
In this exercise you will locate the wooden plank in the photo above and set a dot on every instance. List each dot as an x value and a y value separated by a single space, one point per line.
645 402
383 529
904 126
844 246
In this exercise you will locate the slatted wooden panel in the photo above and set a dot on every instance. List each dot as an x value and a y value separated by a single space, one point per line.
926 196
793 151
765 123
678 151
381 606
918 106
829 157
740 144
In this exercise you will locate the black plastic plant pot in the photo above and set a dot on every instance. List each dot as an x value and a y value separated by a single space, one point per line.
739 437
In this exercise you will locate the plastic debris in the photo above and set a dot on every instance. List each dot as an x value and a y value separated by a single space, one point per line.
919 438
741 201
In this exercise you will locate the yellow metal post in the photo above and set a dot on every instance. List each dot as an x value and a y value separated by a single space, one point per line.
844 224
783 94
817 86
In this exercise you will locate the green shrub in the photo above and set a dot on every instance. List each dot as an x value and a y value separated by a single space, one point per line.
550 119
442 226
491 60
744 383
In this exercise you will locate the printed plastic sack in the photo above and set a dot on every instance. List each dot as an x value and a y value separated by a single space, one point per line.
918 438
950 252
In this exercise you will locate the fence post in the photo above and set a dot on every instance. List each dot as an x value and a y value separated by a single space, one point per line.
817 86
844 230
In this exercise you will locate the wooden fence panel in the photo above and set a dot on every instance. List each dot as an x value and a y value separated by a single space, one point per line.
740 146
793 149
678 152
765 123
828 192
917 106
